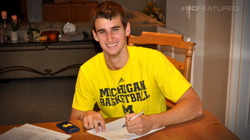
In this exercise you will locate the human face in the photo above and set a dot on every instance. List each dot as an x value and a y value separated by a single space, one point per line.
111 35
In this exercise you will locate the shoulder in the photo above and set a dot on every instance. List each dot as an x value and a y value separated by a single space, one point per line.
93 63
146 54
143 51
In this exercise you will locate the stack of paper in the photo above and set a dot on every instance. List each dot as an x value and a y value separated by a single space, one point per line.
32 132
115 131
71 37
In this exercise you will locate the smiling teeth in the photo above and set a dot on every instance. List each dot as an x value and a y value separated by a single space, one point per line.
112 45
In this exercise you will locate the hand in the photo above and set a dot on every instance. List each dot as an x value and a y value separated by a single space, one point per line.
90 120
140 125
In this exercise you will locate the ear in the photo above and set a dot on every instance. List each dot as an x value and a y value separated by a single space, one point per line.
128 30
95 36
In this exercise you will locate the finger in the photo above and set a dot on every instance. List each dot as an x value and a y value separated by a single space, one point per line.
84 120
97 129
135 125
91 123
132 129
130 120
85 123
102 123
129 116
81 117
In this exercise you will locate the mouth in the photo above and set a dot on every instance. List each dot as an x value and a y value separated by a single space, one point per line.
111 45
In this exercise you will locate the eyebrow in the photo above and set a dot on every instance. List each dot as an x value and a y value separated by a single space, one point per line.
100 30
116 27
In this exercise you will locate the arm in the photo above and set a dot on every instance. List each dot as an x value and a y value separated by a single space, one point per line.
75 114
89 118
188 107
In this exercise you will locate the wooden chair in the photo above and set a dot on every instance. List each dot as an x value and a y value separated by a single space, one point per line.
163 39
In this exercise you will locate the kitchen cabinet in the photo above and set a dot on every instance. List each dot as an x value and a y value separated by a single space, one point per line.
68 12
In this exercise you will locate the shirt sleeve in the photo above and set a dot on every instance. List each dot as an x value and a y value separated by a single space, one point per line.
169 79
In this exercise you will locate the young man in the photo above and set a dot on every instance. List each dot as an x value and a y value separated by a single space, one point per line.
126 80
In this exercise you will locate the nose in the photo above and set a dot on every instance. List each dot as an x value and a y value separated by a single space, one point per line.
110 37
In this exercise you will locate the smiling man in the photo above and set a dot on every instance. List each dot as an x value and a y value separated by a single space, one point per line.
125 81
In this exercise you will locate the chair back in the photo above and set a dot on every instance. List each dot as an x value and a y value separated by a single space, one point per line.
172 40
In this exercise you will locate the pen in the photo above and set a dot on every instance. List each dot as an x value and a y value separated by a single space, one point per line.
134 117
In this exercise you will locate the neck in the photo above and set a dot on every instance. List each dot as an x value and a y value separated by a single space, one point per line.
117 62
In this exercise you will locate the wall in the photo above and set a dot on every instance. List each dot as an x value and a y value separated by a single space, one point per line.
34 10
176 17
176 20
238 105
132 5
216 59
211 31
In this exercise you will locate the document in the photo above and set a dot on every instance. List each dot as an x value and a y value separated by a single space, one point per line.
40 129
32 132
115 131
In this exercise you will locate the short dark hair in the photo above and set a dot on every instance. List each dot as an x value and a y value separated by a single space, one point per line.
108 10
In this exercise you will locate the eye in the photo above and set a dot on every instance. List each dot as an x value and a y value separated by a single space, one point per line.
115 29
103 31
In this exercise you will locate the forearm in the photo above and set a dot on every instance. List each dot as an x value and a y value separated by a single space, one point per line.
74 118
177 114
186 109
75 114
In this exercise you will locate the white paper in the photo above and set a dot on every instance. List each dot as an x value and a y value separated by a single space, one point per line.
115 131
26 132
40 129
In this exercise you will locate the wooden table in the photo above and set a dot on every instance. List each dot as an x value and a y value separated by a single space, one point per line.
206 127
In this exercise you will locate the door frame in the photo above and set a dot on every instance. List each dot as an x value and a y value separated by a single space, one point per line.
234 72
